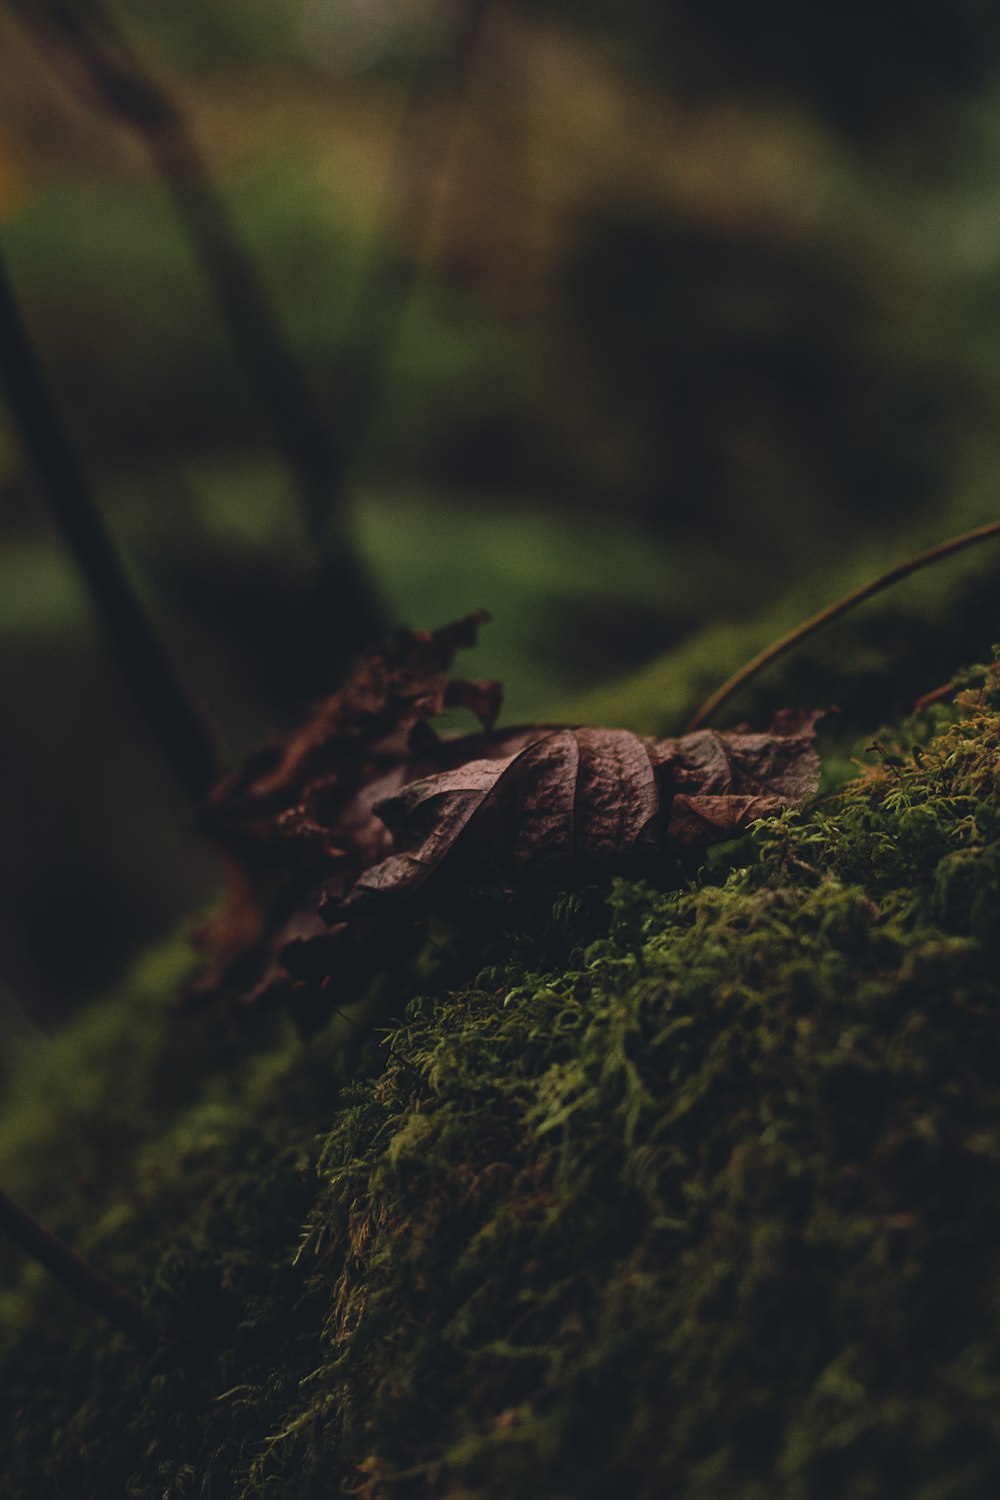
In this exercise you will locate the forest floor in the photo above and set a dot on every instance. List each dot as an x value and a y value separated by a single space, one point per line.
686 1190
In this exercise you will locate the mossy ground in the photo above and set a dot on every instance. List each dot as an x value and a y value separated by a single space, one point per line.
688 1192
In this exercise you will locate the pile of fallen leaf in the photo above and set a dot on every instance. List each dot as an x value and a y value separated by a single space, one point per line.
345 837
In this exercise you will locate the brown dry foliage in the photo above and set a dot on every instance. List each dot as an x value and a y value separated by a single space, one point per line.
343 837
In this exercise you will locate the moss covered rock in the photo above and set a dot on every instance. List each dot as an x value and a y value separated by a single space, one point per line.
689 1192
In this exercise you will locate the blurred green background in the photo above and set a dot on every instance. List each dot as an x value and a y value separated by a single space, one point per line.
648 327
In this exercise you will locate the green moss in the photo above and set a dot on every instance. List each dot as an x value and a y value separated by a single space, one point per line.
687 1192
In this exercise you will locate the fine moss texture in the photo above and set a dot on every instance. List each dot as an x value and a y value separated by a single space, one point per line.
688 1192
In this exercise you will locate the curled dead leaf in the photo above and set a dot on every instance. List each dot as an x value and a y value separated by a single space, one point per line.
347 834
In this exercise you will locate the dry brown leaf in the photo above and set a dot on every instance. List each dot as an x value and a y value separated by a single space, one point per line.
346 834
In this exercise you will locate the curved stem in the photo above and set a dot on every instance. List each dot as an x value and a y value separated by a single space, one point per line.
96 46
76 1273
157 691
786 643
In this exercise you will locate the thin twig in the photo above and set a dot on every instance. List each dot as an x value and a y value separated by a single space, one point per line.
166 707
126 88
809 627
936 695
76 1273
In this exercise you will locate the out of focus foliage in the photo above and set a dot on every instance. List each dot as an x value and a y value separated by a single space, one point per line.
702 324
